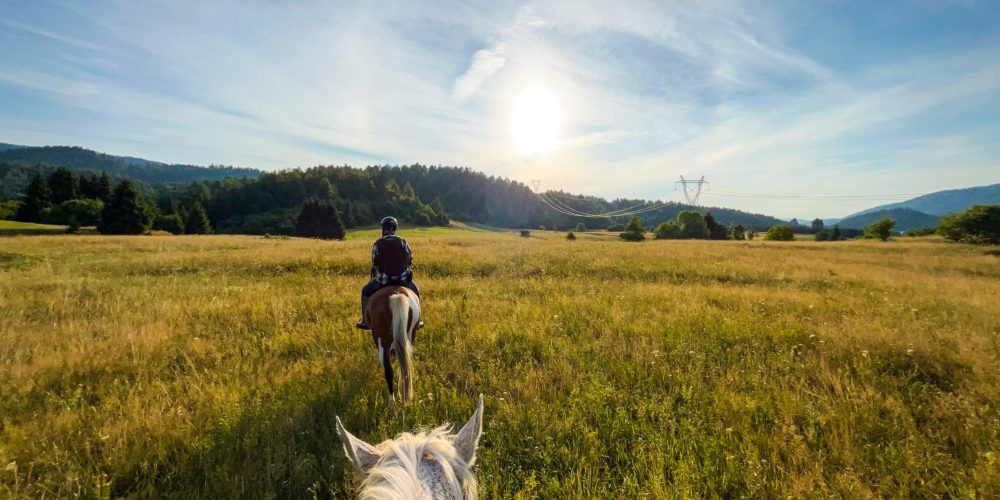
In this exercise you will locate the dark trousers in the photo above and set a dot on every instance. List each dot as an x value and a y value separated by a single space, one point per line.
374 286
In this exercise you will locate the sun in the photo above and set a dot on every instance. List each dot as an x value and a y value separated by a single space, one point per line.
534 123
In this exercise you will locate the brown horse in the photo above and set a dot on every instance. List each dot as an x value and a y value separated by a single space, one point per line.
393 314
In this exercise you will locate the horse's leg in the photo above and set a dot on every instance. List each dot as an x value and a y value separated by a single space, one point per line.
383 353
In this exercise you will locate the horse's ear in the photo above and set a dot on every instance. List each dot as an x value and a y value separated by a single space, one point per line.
468 438
361 454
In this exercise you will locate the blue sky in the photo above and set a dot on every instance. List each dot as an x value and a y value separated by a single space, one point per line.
820 98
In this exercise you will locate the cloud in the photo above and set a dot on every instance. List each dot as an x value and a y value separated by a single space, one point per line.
484 64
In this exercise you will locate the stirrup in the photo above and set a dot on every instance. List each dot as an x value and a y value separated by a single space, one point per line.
361 326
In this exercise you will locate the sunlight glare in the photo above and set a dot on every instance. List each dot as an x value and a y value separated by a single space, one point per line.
534 123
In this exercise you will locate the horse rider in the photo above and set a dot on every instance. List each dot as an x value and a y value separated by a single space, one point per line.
391 261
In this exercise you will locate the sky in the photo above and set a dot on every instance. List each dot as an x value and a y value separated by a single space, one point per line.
789 108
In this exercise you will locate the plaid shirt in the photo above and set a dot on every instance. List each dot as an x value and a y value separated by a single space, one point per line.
391 260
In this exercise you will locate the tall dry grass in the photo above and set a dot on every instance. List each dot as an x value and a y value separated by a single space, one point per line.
214 366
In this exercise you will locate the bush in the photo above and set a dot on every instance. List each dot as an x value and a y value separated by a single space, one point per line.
616 227
979 224
881 230
822 235
781 232
570 236
633 230
85 212
8 209
525 233
668 230
738 232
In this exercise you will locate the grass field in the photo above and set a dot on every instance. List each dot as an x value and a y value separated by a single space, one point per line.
10 228
200 367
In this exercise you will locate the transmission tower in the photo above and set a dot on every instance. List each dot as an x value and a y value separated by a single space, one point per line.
536 183
692 194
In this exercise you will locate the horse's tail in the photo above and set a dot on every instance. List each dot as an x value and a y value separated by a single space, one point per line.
399 306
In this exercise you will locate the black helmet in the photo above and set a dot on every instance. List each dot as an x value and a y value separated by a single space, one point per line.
389 224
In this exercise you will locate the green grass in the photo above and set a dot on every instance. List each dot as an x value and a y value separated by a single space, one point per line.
193 367
10 227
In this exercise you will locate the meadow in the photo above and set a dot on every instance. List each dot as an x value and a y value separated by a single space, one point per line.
213 366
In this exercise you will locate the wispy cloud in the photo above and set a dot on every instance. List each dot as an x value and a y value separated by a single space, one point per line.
484 64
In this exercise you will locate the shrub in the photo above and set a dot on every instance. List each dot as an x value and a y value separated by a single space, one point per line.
780 232
979 224
633 230
525 233
881 230
85 212
668 230
570 236
822 235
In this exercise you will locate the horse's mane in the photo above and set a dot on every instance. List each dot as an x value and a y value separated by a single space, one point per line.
407 459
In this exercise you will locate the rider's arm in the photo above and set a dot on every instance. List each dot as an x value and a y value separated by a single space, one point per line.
409 254
375 256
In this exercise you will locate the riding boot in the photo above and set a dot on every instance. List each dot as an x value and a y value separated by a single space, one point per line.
361 324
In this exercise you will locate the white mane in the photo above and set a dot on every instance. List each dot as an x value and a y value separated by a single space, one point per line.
420 466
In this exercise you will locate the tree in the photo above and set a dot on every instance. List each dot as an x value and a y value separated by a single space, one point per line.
570 236
817 225
63 185
102 189
668 230
633 230
36 202
738 232
881 230
124 213
326 191
692 225
85 212
8 209
780 232
319 220
822 235
716 231
835 234
197 221
440 217
979 224
172 223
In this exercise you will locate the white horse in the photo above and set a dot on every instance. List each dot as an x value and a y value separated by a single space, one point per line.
428 465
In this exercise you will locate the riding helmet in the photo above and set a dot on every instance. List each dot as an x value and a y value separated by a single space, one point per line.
389 224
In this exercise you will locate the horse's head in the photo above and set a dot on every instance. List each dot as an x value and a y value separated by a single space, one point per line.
432 464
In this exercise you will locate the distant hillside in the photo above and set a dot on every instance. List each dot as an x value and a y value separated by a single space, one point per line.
905 219
5 147
947 202
76 158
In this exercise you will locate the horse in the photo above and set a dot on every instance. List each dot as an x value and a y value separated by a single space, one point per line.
393 314
432 464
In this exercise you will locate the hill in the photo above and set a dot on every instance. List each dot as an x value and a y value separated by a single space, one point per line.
905 218
946 202
151 172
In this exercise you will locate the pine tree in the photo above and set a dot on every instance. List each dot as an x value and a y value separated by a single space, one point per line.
124 212
319 220
835 235
102 188
63 185
37 200
197 221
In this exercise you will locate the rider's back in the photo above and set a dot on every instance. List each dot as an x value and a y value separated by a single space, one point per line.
391 255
